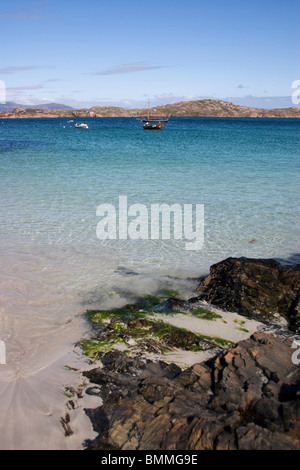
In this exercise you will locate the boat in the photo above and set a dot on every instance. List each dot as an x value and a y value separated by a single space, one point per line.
153 126
153 121
81 126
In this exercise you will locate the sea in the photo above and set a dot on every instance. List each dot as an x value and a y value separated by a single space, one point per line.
242 172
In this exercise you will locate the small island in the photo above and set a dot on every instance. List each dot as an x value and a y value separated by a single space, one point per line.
198 108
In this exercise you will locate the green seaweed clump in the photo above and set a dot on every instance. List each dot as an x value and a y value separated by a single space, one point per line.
205 314
133 327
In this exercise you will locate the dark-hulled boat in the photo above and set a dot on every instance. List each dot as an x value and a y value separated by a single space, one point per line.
153 122
153 126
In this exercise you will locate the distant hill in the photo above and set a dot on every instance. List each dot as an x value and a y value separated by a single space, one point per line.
51 106
10 106
204 108
220 108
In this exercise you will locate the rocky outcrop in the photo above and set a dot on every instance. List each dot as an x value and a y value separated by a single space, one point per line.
256 288
220 108
96 111
199 108
248 397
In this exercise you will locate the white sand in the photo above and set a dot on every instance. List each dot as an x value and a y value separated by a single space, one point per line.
32 408
32 405
232 330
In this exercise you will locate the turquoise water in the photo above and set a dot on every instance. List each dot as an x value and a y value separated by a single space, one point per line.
53 267
53 177
244 171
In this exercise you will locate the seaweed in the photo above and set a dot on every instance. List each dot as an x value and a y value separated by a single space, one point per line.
135 323
205 314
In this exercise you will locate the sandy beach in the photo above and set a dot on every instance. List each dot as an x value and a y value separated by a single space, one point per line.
36 401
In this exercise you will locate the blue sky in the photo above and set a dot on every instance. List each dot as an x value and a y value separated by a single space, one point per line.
120 52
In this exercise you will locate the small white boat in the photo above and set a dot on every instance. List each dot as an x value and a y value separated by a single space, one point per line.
81 126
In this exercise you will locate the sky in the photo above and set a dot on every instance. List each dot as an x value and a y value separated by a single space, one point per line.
122 52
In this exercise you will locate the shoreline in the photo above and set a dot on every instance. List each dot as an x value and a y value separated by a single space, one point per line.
120 349
155 330
88 116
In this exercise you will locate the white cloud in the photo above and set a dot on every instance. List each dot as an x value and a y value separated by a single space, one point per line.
129 68
170 98
15 69
25 87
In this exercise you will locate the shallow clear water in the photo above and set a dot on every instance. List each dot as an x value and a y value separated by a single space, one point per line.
53 178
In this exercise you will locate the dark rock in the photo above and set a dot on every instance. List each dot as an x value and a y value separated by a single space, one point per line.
256 288
156 388
186 340
170 371
120 361
242 373
245 398
174 304
150 346
93 391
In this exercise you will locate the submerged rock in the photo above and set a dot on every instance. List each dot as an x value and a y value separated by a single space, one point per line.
247 397
256 288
